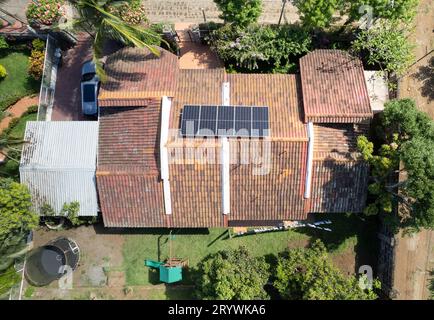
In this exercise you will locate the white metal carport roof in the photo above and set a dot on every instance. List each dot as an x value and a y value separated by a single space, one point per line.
58 164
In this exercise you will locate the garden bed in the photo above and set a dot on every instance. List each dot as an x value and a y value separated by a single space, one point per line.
17 83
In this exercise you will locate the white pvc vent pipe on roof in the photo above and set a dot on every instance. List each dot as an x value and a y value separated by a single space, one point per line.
225 157
226 94
164 156
310 135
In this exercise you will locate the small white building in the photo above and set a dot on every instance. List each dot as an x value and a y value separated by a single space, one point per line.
58 164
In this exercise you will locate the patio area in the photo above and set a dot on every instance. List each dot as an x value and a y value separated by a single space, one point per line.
195 55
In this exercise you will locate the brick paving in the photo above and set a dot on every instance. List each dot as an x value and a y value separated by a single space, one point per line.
67 100
195 55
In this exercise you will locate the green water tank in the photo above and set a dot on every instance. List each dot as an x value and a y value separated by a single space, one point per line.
170 274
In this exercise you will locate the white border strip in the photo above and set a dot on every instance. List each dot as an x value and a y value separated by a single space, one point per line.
310 134
226 192
164 156
225 157
226 94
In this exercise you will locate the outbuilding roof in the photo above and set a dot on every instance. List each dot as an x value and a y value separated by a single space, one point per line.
334 88
58 164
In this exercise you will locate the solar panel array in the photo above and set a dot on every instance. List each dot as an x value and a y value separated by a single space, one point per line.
226 121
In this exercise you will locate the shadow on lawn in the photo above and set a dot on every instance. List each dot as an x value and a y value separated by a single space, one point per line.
346 227
100 229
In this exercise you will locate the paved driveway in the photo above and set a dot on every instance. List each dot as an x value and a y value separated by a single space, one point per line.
67 101
16 7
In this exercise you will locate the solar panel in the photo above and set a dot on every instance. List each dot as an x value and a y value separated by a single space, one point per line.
190 121
260 114
229 121
259 122
243 114
225 122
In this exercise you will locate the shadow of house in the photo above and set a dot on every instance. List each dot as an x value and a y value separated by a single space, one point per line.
342 192
425 75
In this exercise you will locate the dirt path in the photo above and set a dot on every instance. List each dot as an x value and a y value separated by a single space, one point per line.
17 110
414 255
418 82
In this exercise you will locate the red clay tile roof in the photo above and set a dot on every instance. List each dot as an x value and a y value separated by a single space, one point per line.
196 195
277 195
339 186
129 187
137 74
334 88
281 93
338 140
128 139
196 188
131 200
128 163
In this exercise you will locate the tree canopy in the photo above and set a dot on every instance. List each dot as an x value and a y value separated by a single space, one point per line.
317 14
98 19
396 10
407 136
16 219
232 275
240 12
387 46
307 274
265 48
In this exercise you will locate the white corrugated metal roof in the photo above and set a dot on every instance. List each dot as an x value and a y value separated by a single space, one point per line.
58 164
60 144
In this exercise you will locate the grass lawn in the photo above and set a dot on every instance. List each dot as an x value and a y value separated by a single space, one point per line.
350 235
194 244
17 83
17 131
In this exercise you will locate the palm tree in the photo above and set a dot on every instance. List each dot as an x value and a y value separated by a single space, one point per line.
8 144
96 19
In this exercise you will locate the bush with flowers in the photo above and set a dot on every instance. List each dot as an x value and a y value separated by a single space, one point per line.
36 59
132 12
45 12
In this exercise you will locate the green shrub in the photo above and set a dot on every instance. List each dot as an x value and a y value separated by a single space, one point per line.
8 279
240 12
3 72
46 12
261 48
232 275
32 109
3 43
29 292
38 45
36 64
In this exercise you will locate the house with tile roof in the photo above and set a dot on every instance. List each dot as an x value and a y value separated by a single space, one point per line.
157 168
